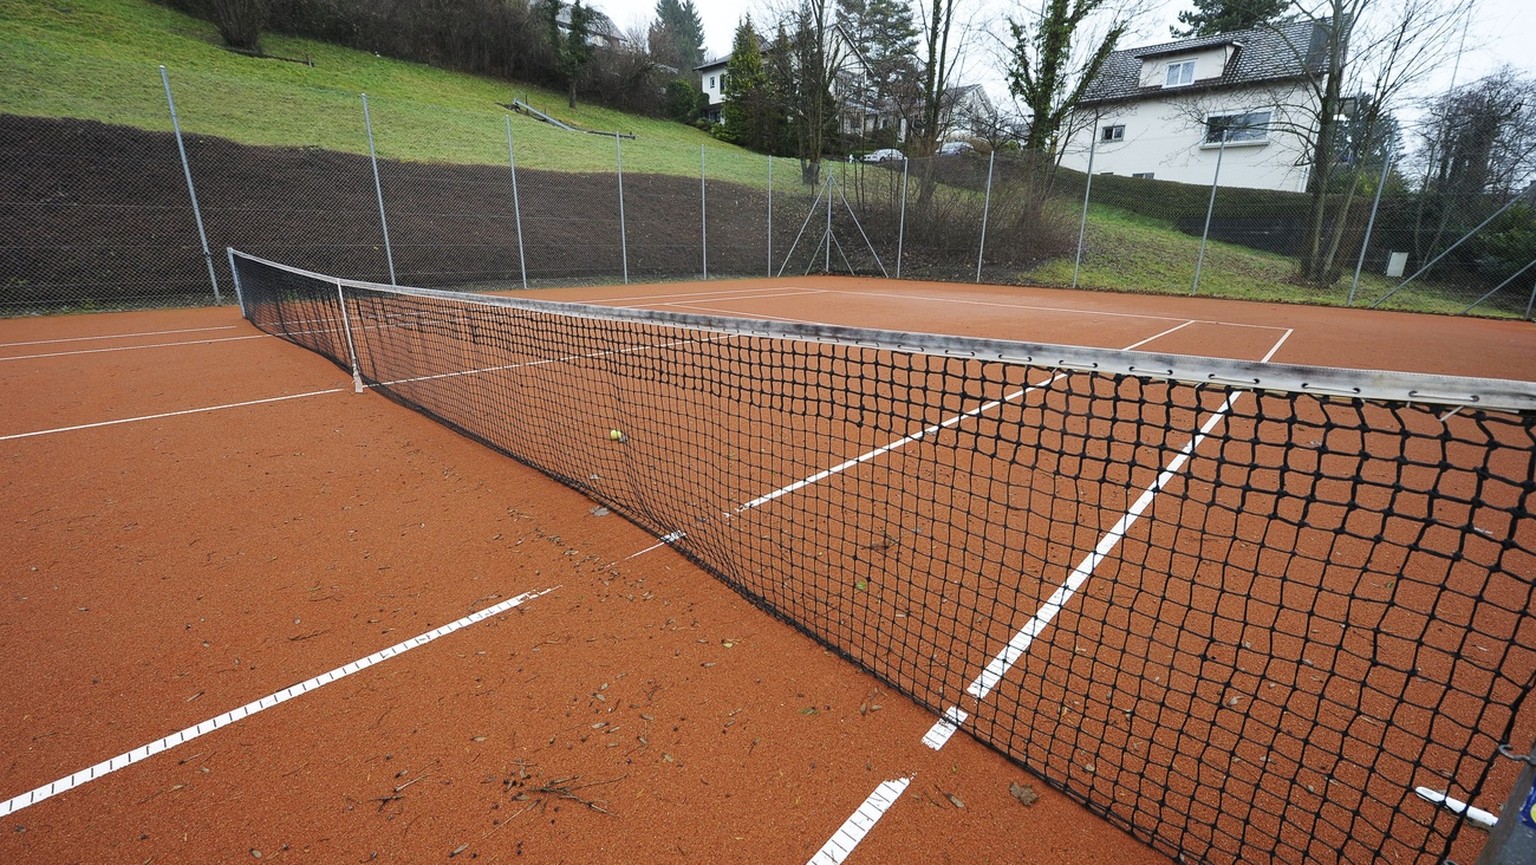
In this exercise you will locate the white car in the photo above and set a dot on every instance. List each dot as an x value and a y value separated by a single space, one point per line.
884 154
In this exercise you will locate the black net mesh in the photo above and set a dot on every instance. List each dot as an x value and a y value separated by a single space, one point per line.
1241 623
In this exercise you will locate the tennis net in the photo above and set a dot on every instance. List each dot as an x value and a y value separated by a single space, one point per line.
1241 610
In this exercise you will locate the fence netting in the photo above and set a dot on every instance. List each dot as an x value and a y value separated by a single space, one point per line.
1241 621
473 196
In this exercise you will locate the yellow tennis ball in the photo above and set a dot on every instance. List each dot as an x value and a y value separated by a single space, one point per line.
616 435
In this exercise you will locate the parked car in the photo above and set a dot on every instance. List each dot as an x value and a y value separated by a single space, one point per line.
884 154
956 148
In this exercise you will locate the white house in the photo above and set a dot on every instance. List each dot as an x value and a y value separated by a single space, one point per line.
1167 111
712 82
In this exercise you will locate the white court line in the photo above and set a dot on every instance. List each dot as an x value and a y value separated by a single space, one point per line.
135 347
184 411
1019 644
864 818
721 294
926 431
32 797
1037 308
698 307
117 335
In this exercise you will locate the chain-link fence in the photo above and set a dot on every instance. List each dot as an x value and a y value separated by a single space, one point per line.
386 189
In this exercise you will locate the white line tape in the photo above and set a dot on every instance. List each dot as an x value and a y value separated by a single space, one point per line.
134 347
32 797
116 336
853 830
948 723
43 432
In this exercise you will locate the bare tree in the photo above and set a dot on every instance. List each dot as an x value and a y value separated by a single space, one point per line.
1373 52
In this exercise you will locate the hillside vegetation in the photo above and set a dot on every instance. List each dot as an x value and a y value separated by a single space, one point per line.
98 60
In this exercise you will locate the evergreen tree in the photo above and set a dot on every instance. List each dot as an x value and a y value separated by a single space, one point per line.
744 115
886 37
677 36
571 51
1210 17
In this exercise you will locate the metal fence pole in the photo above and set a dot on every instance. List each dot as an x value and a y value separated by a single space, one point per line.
186 168
703 214
986 211
618 144
1530 304
1370 224
770 216
1082 224
378 191
517 208
826 266
1209 208
901 222
1498 288
1447 251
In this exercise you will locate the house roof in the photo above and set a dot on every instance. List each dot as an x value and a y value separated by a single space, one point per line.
1271 53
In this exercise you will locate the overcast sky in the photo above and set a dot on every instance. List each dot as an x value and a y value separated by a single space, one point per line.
1502 31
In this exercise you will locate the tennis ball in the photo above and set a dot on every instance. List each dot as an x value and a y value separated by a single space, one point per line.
616 435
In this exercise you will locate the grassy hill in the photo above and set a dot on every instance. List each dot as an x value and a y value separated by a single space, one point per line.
98 60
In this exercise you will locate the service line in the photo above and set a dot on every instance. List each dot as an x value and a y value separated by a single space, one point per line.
47 791
135 347
117 336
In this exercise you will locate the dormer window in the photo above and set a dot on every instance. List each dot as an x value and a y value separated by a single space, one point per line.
1180 73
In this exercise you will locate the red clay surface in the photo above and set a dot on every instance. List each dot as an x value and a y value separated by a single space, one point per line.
165 571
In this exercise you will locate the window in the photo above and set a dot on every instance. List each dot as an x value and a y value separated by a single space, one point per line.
1113 133
722 82
1234 128
1181 73
711 82
1144 175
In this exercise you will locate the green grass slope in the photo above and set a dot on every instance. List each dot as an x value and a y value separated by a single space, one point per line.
98 59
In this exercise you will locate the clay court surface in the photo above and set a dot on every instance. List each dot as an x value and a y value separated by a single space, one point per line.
198 516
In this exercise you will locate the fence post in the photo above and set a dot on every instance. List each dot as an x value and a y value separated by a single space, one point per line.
378 191
517 208
1447 251
1530 304
1082 224
826 266
770 214
703 214
1370 224
618 144
1209 207
986 211
901 223
186 168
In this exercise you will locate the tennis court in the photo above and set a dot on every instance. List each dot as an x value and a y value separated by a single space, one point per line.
1235 620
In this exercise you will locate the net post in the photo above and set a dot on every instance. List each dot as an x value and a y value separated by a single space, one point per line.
1082 223
346 328
1210 206
901 222
517 208
186 169
618 144
1512 841
235 275
378 191
986 211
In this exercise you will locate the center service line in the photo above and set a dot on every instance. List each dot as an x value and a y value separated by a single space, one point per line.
16 803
